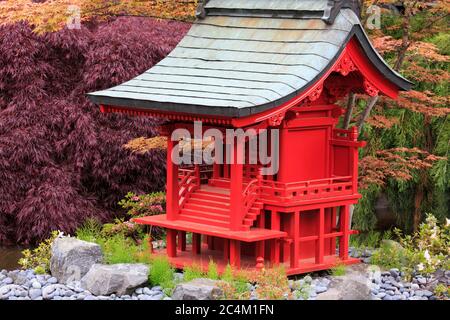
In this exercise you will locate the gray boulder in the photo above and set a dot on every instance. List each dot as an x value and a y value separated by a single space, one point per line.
198 289
72 258
115 278
354 285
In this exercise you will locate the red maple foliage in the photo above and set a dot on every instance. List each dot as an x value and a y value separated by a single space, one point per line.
61 160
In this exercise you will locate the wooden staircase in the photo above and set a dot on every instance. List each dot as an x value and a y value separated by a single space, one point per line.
210 205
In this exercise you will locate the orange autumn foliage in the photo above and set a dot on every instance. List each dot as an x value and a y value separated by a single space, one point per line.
397 163
53 15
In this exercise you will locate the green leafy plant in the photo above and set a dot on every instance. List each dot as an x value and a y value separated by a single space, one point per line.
38 259
162 274
339 270
192 272
272 284
425 251
90 230
442 291
143 205
213 273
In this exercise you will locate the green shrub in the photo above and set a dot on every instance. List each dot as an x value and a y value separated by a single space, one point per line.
143 205
388 256
425 251
227 274
192 272
90 231
39 258
212 270
339 270
118 249
442 291
161 274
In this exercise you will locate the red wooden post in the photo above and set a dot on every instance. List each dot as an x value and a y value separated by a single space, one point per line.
354 161
182 240
259 263
196 243
260 244
171 243
235 253
275 249
236 207
344 225
321 241
172 197
226 250
295 252
197 174
333 229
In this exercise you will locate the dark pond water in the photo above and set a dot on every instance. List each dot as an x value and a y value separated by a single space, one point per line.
9 256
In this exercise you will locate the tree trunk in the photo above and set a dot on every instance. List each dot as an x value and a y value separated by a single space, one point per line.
348 113
370 104
406 27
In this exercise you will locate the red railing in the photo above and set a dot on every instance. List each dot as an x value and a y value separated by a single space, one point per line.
274 191
250 194
189 181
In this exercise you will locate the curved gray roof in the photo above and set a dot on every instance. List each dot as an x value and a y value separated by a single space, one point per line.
236 63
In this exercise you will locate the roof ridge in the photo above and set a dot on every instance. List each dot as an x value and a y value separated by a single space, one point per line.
326 10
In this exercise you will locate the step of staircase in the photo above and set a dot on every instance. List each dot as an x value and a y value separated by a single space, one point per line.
205 221
206 208
203 214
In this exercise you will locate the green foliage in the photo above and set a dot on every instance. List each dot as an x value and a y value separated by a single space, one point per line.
213 273
370 239
339 270
192 272
425 251
302 292
442 291
227 274
143 205
272 284
161 274
90 230
39 258
118 249
363 215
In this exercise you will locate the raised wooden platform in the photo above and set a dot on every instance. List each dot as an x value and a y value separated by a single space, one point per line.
253 235
248 263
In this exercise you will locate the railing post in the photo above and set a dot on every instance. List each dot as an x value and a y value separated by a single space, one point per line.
172 197
197 174
355 155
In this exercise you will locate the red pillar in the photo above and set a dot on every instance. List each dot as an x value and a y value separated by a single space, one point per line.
295 252
196 243
226 250
345 228
321 241
172 197
260 244
171 243
235 253
182 240
275 249
333 229
236 218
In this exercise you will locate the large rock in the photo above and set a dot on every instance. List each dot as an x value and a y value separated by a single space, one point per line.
72 258
356 284
198 289
115 278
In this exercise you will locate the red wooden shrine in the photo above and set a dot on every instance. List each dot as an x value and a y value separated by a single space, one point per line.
301 216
